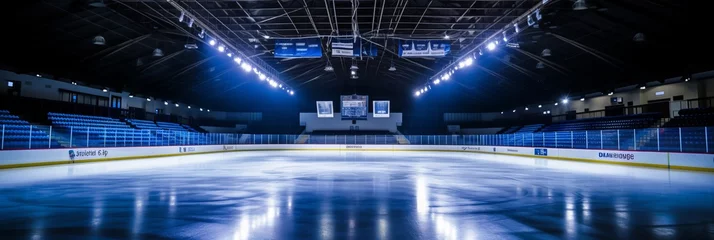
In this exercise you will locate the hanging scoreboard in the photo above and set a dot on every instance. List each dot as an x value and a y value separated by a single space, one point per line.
354 107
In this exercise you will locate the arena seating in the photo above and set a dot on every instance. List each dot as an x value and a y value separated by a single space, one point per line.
19 134
695 117
143 124
352 137
605 123
530 128
509 130
94 131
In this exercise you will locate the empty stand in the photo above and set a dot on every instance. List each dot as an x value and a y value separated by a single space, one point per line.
19 134
619 122
352 137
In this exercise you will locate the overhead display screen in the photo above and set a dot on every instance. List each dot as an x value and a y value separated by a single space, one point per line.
380 109
324 109
354 107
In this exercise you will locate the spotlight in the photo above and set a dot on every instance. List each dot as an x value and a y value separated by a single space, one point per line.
74 83
166 103
610 94
526 108
556 104
565 101
208 110
291 92
437 81
491 46
274 84
417 93
255 70
189 107
469 61
582 99
422 90
505 37
176 105
280 85
686 79
548 111
131 96
148 99
543 112
355 77
514 110
105 90
515 27
202 33
246 67
221 48
212 42
643 88
540 106
266 36
200 109
462 64
237 60
230 54
445 77
353 72
446 36
261 77
501 113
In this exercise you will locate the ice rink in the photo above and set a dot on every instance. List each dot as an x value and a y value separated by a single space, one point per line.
354 195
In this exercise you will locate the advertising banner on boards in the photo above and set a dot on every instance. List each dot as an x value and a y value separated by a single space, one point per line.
424 48
298 48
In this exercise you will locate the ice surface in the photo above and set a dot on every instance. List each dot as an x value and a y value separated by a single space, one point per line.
354 195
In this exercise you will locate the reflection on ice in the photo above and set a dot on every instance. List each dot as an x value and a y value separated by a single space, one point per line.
333 195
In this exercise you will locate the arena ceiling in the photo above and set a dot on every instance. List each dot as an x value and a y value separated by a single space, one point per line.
594 49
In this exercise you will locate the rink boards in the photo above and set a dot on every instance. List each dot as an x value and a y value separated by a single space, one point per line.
690 161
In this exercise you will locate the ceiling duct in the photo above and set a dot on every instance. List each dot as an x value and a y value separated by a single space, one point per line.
580 5
99 40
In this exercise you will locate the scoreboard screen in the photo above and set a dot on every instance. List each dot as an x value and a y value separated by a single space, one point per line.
324 109
354 107
380 109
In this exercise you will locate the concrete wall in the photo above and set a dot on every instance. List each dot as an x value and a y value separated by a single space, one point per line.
313 123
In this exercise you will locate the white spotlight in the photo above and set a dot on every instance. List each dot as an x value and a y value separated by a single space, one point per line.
526 108
501 113
200 109
280 85
565 101
643 87
212 42
461 64
582 99
437 81
189 107
610 94
291 92
491 46
131 96
556 104
505 37
230 54
445 77
422 90
148 99
208 110
417 93
540 106
515 27
221 48
514 110
237 60
446 36
353 72
261 77
274 84
105 90
266 36
469 61
246 67
176 105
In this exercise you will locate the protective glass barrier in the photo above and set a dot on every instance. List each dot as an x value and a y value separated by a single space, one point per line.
694 140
